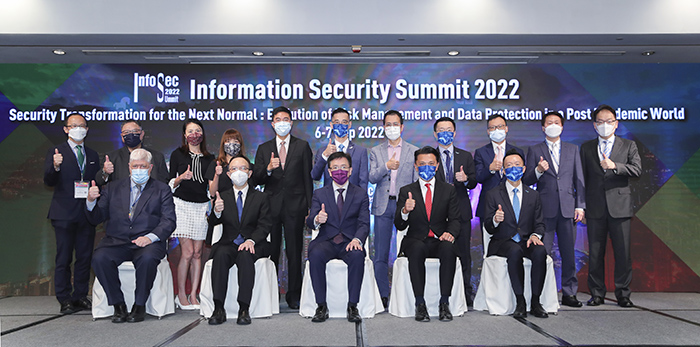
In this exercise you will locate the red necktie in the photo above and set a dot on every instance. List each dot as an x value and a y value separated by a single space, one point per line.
429 206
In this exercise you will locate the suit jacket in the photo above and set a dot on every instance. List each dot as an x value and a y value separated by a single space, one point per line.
360 171
461 158
482 159
559 189
354 220
444 216
291 187
64 205
611 185
531 217
120 159
379 175
256 218
154 212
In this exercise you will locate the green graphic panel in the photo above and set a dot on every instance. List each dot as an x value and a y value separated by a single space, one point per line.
689 173
28 85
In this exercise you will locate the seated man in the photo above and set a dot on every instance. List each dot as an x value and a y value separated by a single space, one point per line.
140 216
246 218
431 211
514 219
341 213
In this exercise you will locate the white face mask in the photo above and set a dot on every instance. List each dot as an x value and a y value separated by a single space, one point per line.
393 132
605 129
239 178
283 128
553 130
497 135
77 134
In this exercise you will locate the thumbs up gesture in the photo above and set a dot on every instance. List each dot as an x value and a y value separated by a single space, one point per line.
274 162
607 164
410 204
330 149
542 165
461 176
219 169
57 159
93 192
218 203
496 164
392 164
108 167
187 175
499 216
322 216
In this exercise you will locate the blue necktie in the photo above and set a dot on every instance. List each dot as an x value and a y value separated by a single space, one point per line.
448 167
135 195
607 148
239 206
341 147
516 209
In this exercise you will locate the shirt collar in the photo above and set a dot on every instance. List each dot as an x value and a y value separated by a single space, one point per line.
133 184
286 141
510 187
345 144
336 186
496 145
398 145
611 139
550 143
244 190
73 144
432 182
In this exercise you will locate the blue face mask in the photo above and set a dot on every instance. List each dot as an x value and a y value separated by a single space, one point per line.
340 130
445 138
514 173
426 172
139 176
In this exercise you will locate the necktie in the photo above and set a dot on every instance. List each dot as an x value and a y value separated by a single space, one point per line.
607 148
392 173
239 206
283 154
429 206
341 147
554 152
135 195
516 209
340 202
81 158
499 156
448 167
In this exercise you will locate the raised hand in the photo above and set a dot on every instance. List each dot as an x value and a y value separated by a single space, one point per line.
219 169
93 192
274 162
108 166
607 164
499 216
393 164
322 216
330 149
187 175
496 164
410 204
461 176
57 159
218 203
542 165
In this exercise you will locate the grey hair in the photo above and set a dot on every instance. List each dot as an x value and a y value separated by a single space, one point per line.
140 154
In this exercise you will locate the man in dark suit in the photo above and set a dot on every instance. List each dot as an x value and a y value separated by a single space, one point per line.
116 163
561 188
431 211
140 216
457 168
608 163
341 213
489 162
247 219
68 168
340 142
283 166
514 219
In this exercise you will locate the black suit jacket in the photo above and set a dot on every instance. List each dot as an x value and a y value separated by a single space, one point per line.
256 218
531 217
120 159
354 220
289 188
444 216
483 157
64 205
464 159
611 185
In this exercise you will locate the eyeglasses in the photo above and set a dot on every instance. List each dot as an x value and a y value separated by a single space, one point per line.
343 167
609 121
239 168
127 132
76 126
499 127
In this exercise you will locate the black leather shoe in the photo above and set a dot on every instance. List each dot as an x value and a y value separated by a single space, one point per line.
422 313
120 313
571 301
625 302
520 310
595 301
67 307
445 314
354 314
470 300
321 314
138 314
385 302
537 310
82 304
294 305
243 317
218 316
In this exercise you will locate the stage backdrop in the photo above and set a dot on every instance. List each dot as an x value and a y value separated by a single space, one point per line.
657 105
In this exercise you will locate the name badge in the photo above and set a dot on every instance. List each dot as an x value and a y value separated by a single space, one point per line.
81 189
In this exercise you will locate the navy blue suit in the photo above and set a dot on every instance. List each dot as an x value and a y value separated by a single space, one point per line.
153 213
352 223
73 232
482 159
360 171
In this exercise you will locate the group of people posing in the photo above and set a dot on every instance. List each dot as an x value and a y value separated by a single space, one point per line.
143 203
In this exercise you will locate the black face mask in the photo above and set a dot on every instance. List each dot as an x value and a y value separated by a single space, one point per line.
132 140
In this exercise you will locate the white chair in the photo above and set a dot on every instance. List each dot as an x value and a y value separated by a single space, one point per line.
403 301
265 299
337 289
160 301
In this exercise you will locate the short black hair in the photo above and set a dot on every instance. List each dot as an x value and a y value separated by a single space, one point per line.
392 113
339 155
514 151
65 122
496 116
339 110
444 119
250 166
601 108
552 113
131 121
427 150
279 109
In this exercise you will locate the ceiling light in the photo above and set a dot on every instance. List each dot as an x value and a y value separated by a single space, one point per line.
453 53
258 54
648 53
59 52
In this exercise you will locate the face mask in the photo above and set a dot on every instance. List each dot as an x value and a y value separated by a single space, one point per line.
132 140
239 178
339 176
605 129
232 149
139 176
445 138
195 139
340 130
283 128
553 130
514 173
426 172
77 134
497 135
392 132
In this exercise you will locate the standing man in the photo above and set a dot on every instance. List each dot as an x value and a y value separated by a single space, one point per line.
341 213
561 189
283 166
391 167
68 168
608 163
340 142
116 163
457 168
430 209
246 218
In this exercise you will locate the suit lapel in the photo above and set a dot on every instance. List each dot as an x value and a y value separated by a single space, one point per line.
440 174
246 204
349 195
124 192
418 196
143 199
505 195
548 156
351 148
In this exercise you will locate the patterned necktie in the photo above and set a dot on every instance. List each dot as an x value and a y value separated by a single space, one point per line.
607 148
554 152
81 159
341 148
516 209
448 167
283 154
135 195
340 202
429 206
239 206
